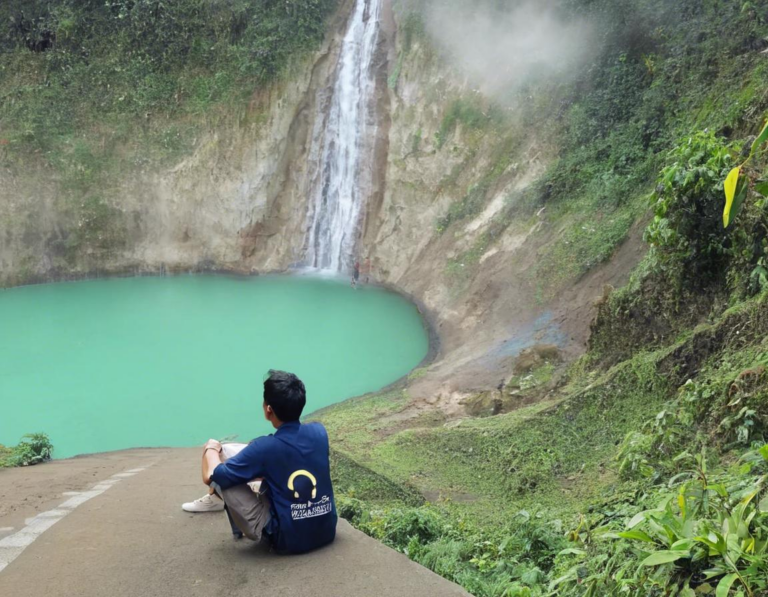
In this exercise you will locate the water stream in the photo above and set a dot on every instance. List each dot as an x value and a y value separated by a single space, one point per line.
343 151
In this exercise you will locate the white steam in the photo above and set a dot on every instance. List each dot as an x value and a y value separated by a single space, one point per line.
502 49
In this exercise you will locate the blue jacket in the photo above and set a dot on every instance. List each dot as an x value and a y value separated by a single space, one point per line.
294 463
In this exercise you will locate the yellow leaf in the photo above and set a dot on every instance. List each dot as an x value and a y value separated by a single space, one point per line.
730 193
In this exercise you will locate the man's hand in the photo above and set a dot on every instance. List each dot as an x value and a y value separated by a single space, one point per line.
213 444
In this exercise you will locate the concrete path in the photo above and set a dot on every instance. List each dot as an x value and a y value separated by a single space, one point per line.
129 537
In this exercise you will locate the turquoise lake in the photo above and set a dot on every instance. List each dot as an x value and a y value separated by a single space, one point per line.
171 361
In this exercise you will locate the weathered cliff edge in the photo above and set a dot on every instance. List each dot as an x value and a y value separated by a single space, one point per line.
239 203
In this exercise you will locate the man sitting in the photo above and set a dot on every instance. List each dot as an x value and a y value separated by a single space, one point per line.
293 506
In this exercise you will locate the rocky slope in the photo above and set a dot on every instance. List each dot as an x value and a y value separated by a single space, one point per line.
504 217
239 203
236 203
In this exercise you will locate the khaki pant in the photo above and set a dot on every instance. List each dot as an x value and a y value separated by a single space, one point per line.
248 512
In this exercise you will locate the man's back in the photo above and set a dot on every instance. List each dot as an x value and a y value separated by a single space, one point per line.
294 463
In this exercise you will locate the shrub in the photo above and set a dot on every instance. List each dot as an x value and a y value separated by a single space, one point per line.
686 232
33 448
704 536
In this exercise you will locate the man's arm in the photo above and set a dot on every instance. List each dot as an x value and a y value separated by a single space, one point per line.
211 459
241 468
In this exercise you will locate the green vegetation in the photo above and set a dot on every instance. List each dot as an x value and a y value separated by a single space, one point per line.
502 564
355 422
686 231
461 112
470 205
587 242
695 265
614 486
33 448
94 70
663 69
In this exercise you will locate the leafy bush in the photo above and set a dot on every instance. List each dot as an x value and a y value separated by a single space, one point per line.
725 408
33 448
401 527
686 232
503 562
708 535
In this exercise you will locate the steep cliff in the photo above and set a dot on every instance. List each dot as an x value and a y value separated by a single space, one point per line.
237 200
505 214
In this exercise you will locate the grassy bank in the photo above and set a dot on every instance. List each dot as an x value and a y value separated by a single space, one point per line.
537 500
639 471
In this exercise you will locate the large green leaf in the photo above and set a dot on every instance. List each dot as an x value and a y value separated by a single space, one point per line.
725 584
761 138
715 542
665 557
761 187
637 519
637 535
682 545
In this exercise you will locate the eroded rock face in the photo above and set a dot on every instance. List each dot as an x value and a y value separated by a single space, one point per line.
477 295
239 203
222 207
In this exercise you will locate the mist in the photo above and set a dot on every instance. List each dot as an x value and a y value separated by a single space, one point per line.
503 49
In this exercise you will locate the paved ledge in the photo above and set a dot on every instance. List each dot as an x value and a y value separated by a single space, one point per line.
134 540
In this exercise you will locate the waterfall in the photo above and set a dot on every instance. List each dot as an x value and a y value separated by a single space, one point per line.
343 150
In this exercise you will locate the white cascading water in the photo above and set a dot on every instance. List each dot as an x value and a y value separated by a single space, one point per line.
343 152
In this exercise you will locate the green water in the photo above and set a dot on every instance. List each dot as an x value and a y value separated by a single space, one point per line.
111 364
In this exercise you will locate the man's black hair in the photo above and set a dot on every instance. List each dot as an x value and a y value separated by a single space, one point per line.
285 393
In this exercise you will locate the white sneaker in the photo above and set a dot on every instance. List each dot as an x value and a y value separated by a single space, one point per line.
207 503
